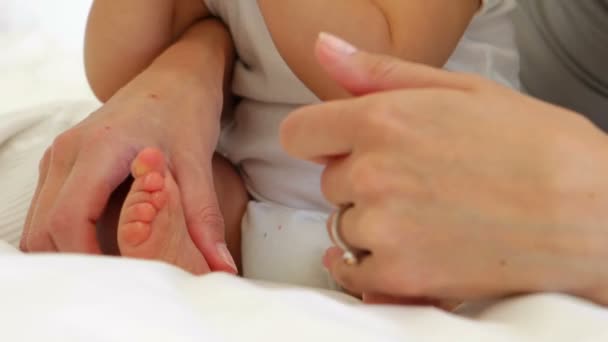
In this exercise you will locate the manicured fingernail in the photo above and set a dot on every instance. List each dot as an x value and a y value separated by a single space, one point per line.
337 45
226 256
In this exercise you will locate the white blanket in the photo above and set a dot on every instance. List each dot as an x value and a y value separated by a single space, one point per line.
73 298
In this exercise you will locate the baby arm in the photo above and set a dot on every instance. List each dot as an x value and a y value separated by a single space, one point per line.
124 37
425 31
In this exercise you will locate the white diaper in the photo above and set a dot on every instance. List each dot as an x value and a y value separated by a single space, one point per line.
285 245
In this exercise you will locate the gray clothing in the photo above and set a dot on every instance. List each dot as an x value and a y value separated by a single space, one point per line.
564 53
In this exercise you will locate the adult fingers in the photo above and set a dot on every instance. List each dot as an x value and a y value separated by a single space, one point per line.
334 129
203 216
336 125
360 228
360 177
60 156
325 130
43 169
335 185
377 121
99 169
358 278
361 72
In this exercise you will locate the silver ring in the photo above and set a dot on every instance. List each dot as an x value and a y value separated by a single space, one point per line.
349 256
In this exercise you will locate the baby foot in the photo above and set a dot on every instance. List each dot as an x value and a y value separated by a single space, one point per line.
152 224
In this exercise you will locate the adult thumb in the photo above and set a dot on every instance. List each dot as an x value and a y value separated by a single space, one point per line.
361 72
203 215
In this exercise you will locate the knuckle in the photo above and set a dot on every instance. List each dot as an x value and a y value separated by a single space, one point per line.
382 68
384 123
64 142
208 216
61 150
365 178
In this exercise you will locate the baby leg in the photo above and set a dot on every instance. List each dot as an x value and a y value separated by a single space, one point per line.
152 224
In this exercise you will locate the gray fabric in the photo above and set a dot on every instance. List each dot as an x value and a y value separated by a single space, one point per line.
564 51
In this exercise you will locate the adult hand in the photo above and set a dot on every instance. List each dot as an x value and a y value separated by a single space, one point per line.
462 189
85 165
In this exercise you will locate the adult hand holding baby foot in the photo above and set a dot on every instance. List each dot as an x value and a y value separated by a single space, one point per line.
461 189
165 107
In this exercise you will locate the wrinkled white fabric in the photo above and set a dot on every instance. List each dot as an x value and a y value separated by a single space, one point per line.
76 298
24 136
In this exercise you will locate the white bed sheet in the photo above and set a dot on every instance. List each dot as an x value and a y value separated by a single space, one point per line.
71 298
76 298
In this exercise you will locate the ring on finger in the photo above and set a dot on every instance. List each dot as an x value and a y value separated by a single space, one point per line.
350 255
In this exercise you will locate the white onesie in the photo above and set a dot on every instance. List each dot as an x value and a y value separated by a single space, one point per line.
284 235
